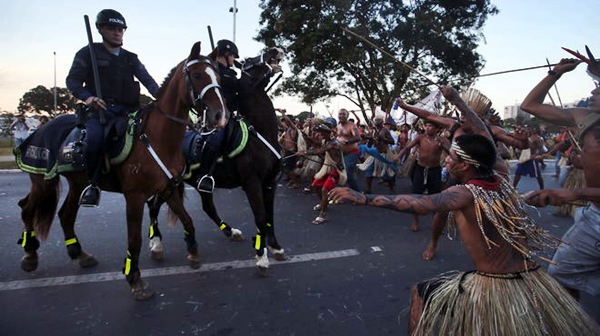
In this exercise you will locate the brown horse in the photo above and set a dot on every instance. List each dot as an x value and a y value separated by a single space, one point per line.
255 168
153 167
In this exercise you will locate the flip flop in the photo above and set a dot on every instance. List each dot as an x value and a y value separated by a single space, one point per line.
319 220
317 207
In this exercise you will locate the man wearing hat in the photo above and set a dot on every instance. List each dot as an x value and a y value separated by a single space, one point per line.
578 261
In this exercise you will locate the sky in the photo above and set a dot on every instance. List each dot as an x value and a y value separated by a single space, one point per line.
38 40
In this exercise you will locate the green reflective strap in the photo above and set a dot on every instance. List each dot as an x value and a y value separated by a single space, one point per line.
257 242
222 226
151 232
71 241
24 240
127 265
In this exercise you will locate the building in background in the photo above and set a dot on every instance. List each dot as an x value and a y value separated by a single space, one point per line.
514 112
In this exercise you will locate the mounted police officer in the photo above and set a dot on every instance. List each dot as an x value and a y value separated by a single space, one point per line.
226 53
117 68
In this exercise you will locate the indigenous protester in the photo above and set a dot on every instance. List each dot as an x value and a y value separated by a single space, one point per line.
43 121
21 129
427 172
309 165
289 142
578 260
378 163
349 137
529 162
331 173
469 123
508 292
117 68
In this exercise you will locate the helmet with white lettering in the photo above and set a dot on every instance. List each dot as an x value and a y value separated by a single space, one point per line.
226 46
110 17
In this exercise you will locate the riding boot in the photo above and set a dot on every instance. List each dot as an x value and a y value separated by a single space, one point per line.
90 197
206 183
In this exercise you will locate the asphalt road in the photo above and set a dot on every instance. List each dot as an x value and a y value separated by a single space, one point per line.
350 276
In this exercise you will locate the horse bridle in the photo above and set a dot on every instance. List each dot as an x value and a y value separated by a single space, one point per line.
194 95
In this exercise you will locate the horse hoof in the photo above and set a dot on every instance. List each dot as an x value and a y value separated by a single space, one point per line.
262 272
280 256
86 260
141 291
29 262
237 237
194 261
157 255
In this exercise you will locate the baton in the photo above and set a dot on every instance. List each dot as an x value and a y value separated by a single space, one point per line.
212 42
94 66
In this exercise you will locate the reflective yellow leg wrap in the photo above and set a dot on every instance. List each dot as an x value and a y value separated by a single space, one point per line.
269 224
257 242
27 234
151 232
222 226
71 241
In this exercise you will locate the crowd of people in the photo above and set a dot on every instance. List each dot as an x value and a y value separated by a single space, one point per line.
459 173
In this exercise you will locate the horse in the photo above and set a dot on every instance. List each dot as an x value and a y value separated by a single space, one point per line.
254 169
153 167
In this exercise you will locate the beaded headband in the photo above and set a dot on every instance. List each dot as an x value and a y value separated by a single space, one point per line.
463 155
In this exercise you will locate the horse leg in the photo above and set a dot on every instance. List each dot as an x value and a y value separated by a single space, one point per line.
67 215
37 212
255 197
175 202
157 251
269 204
208 206
135 211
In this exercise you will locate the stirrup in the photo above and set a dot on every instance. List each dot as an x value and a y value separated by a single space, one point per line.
90 197
206 184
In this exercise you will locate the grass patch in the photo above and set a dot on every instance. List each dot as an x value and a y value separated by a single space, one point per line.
6 151
8 165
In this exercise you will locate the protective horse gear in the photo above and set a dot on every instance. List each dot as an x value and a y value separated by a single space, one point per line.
228 46
110 17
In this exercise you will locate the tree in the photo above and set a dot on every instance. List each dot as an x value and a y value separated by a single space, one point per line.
436 37
41 99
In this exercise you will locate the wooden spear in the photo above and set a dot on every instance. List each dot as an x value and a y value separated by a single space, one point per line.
389 55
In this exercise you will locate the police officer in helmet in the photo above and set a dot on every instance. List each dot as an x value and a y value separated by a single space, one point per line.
117 69
226 52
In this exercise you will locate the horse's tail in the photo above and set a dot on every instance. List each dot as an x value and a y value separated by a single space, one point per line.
39 206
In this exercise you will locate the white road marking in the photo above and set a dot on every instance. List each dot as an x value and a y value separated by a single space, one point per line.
156 272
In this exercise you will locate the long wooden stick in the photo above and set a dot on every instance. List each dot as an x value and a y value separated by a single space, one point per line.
516 70
389 55
555 87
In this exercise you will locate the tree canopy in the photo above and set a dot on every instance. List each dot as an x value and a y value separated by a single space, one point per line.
41 99
438 38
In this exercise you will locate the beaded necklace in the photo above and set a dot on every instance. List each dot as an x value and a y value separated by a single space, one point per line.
505 210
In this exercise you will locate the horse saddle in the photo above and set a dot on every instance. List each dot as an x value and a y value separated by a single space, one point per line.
232 139
59 146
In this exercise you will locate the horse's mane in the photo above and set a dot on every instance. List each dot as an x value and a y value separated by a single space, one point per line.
166 81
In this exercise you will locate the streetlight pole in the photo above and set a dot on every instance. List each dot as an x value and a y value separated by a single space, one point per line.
233 10
55 98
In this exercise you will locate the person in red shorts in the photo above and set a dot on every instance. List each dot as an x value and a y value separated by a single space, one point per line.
331 173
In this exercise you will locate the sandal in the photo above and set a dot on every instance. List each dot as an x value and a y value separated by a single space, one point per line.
319 220
317 207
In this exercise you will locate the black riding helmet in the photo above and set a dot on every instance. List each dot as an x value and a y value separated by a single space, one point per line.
110 17
224 46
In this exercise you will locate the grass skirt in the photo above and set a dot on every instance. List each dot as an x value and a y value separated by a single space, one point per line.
528 303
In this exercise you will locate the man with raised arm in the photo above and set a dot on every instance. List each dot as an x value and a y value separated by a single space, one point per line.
508 292
578 261
348 137
469 123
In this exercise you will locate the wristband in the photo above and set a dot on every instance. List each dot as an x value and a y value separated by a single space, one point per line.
554 74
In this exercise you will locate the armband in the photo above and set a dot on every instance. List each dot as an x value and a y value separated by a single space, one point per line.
554 74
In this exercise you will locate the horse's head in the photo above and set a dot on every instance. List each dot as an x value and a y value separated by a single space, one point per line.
201 79
262 67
